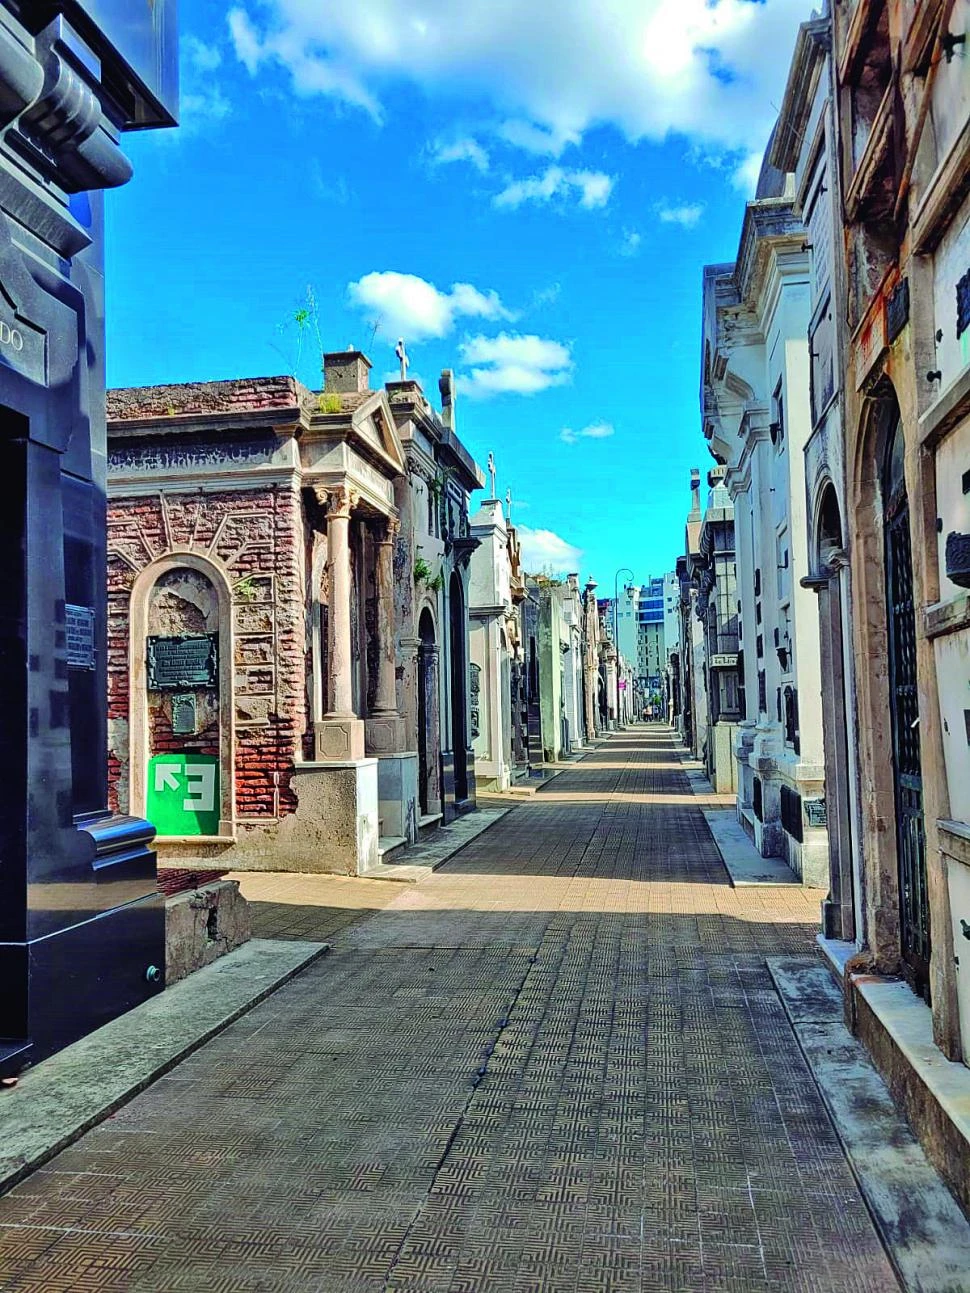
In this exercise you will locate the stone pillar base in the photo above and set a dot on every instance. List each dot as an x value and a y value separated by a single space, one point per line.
383 735
338 740
397 789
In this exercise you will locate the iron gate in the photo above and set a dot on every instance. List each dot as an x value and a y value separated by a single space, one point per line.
914 918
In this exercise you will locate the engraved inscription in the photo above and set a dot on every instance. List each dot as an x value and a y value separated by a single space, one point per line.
24 348
192 454
816 812
79 621
178 662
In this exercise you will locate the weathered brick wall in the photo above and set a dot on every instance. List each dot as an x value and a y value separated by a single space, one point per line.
257 535
184 398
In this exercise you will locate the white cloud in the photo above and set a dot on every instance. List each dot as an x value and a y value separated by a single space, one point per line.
461 150
415 309
594 188
686 215
546 296
202 102
711 70
747 173
537 139
203 106
544 552
630 246
200 55
510 364
595 431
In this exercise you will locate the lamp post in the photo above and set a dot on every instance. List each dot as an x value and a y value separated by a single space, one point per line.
623 570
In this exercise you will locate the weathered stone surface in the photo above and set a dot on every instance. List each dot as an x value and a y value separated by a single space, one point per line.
203 925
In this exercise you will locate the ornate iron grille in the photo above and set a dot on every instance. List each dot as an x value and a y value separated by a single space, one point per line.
914 916
791 813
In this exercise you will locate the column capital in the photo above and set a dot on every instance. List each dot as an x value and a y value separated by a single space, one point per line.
341 501
388 528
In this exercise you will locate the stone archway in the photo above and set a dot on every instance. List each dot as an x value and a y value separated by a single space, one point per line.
889 735
181 724
429 742
458 655
830 581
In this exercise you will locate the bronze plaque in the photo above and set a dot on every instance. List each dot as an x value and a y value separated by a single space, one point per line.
175 663
816 812
79 623
184 714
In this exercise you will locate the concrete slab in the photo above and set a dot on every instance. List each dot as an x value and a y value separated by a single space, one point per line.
896 1027
743 862
58 1101
434 850
925 1233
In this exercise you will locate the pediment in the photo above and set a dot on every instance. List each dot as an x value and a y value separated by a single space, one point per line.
373 427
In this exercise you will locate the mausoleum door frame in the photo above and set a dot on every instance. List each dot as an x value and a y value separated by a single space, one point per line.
317 570
829 582
138 733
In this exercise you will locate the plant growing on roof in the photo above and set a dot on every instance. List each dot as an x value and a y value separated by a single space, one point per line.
299 332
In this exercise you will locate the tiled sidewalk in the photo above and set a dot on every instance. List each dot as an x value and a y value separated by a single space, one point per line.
559 1063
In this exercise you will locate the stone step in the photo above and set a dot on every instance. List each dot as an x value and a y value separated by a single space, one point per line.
389 847
428 823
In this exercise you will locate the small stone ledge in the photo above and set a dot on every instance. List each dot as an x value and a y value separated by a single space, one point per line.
928 1243
896 1028
202 925
742 861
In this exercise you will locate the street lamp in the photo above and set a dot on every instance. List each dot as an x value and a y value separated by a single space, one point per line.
623 570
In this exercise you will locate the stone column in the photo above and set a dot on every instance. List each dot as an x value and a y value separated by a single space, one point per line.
385 701
339 683
384 726
340 736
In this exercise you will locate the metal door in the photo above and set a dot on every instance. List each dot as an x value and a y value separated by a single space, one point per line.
914 917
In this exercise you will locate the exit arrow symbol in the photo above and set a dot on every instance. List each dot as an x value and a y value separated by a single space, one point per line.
166 776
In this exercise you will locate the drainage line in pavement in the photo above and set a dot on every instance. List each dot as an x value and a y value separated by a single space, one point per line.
480 1073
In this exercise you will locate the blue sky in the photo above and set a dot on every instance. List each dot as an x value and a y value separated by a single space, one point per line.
525 192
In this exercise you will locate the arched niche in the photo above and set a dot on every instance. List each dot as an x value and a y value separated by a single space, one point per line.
829 541
183 593
458 654
429 740
319 628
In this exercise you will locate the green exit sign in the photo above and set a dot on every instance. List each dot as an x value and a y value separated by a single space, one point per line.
183 794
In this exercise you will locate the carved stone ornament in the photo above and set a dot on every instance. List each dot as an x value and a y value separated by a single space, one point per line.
341 501
389 530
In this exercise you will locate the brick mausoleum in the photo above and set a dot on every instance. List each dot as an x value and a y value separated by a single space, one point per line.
259 699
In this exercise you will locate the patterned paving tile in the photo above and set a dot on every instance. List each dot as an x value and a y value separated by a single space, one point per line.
557 1064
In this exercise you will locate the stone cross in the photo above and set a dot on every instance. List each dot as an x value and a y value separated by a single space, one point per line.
508 504
402 355
491 472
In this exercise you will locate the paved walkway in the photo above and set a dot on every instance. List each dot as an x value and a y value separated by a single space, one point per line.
557 1064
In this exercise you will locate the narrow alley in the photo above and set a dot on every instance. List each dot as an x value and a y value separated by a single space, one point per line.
558 1063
